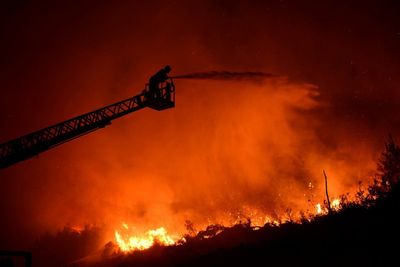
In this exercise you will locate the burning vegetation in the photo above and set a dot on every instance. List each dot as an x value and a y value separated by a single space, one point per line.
127 242
222 242
361 227
372 209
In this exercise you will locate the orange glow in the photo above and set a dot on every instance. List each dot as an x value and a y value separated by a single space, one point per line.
77 228
318 209
129 243
234 151
335 204
229 150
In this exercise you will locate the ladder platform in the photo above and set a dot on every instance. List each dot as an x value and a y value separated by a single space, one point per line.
160 104
161 99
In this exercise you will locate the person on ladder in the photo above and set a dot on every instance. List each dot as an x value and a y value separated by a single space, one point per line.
158 78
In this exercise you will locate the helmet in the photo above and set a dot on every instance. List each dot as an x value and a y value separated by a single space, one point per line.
167 68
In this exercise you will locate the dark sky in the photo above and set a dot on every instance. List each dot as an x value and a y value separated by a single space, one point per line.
225 142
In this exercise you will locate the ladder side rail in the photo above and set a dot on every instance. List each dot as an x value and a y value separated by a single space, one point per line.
63 131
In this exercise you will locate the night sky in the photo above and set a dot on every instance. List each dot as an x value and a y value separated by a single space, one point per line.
227 146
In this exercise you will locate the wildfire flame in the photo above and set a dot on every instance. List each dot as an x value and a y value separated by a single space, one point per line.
151 237
129 243
318 208
335 205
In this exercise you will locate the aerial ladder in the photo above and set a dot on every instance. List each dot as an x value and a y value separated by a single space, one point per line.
32 144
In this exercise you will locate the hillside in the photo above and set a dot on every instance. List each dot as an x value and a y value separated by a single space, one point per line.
364 234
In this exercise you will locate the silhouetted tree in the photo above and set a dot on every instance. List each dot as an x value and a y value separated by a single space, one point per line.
389 164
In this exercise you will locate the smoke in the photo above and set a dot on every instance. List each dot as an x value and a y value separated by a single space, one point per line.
226 75
226 148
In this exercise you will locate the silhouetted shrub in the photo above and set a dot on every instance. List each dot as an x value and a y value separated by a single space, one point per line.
389 163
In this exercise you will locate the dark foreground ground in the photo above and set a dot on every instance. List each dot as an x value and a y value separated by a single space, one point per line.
356 236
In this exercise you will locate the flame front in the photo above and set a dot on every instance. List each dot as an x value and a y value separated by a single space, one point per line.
128 242
335 205
318 208
151 237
